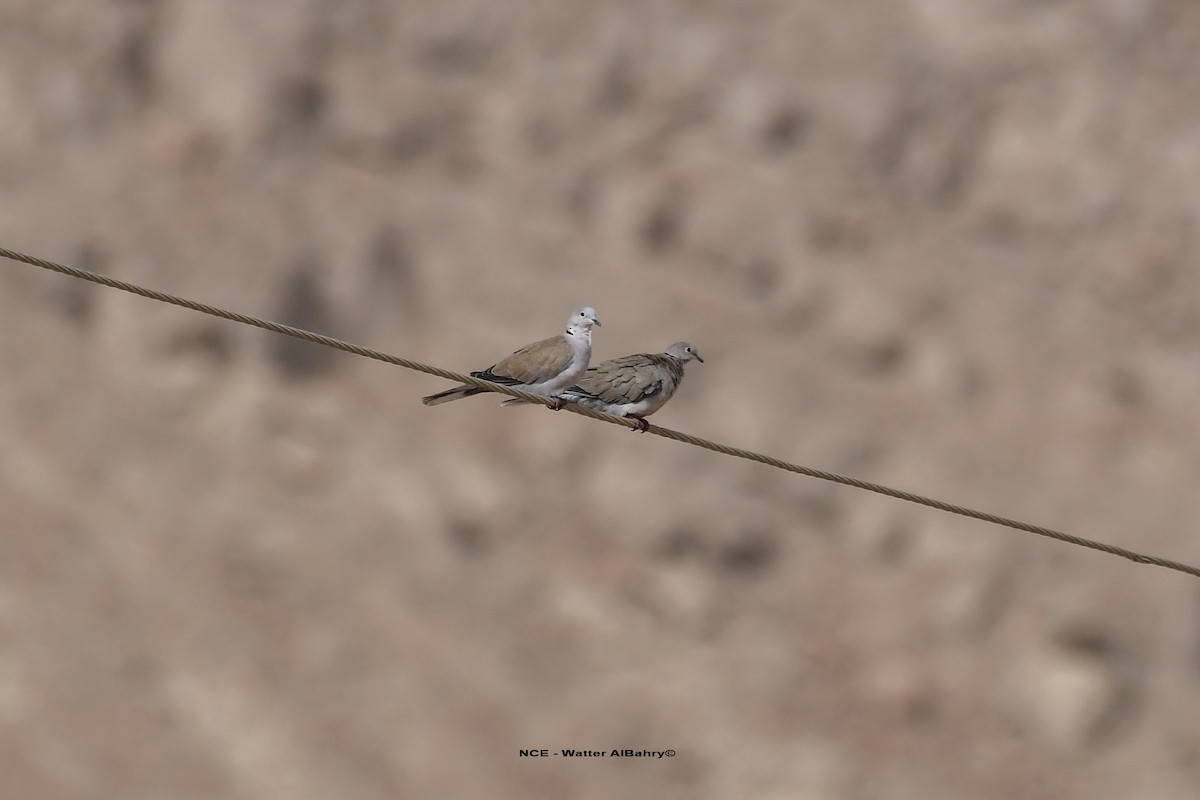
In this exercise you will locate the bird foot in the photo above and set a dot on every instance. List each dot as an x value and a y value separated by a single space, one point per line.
642 425
556 404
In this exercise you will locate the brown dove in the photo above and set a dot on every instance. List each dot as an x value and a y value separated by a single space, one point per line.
633 386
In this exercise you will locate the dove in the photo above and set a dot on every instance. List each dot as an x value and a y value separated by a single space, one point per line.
544 368
633 386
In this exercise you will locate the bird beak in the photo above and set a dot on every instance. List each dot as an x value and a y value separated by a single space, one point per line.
596 322
698 358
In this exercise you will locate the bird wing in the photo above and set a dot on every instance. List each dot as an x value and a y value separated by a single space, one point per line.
628 379
532 364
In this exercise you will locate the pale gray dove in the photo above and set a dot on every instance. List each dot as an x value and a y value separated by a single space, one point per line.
633 386
544 368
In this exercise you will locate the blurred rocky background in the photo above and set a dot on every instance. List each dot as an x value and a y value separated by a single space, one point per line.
951 247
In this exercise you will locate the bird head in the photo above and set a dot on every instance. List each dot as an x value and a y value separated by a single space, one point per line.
583 318
685 352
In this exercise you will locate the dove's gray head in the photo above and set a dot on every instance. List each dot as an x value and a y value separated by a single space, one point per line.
684 352
582 319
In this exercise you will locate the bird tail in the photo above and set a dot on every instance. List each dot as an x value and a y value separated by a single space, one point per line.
457 393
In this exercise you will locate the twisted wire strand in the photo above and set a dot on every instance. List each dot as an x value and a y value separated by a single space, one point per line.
666 433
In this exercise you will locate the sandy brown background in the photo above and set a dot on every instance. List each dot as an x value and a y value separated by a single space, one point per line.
949 246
